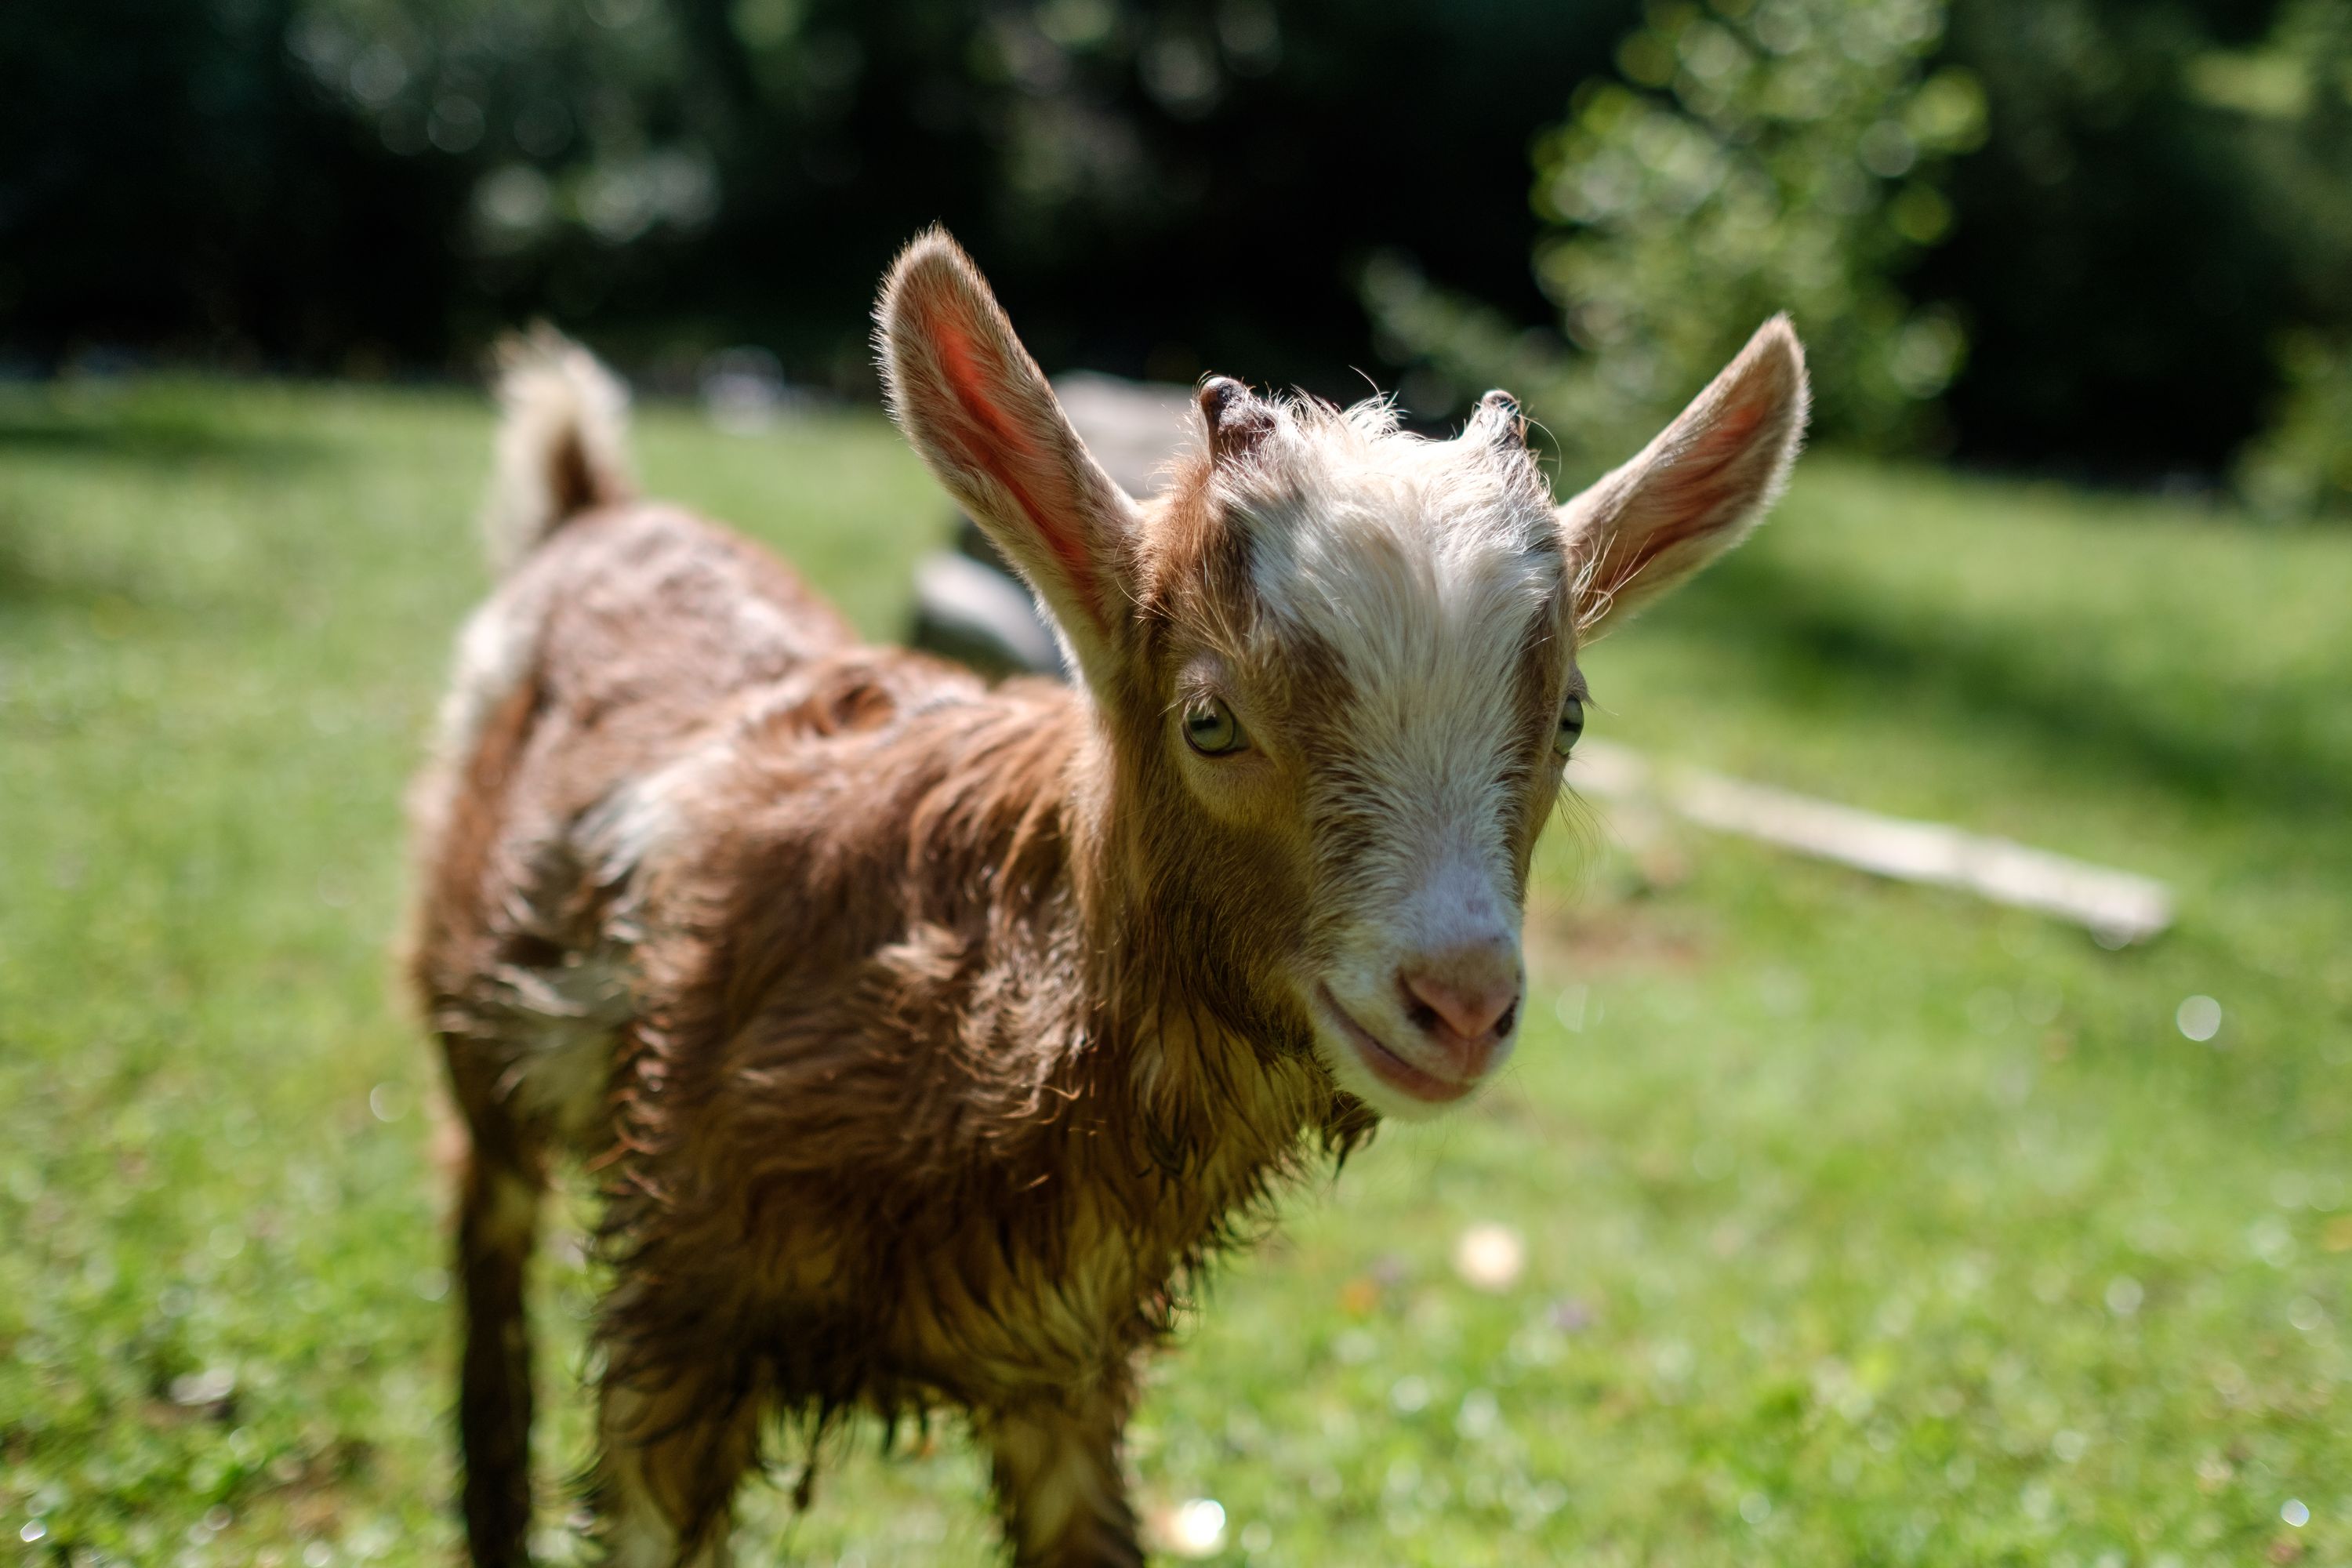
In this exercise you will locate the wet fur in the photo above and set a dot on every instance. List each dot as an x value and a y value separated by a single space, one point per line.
886 1126
925 1038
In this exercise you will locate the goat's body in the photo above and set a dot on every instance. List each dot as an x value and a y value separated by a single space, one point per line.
925 1035
780 932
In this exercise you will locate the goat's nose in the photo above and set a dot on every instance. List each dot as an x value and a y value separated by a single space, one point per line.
1471 995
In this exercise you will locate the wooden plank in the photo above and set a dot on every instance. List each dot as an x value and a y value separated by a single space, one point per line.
2118 907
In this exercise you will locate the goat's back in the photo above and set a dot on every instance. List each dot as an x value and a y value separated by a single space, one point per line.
625 636
672 779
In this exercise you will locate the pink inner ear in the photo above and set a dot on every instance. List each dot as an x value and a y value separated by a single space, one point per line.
1001 438
1712 479
1729 438
1694 494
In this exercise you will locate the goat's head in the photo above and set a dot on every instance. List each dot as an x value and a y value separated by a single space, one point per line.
1333 665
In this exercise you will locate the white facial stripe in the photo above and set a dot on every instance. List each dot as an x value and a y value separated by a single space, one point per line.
1358 531
1421 565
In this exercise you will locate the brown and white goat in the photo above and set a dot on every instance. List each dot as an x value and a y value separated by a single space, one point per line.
927 1035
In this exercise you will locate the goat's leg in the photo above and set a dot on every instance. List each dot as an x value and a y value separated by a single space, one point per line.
1061 1488
672 1452
498 1225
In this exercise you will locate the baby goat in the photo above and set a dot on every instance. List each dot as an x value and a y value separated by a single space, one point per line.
928 1035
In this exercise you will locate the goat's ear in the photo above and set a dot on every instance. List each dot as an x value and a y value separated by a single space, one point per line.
1696 490
973 402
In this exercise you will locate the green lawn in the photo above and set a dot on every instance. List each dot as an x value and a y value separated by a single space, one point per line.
1863 1223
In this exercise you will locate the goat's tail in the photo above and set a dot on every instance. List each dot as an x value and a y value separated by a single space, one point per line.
562 445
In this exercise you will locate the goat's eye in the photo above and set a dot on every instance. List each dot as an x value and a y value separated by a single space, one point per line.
1210 729
1571 725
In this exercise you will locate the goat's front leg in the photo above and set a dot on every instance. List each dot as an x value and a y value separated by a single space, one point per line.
497 1226
671 1455
1061 1487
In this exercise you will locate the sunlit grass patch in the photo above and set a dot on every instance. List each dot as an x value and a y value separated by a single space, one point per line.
1853 1222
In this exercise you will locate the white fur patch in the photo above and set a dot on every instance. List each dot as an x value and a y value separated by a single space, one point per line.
1423 566
494 652
554 394
630 828
569 1017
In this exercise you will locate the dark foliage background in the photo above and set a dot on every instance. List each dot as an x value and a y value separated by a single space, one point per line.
2149 252
1171 185
2129 249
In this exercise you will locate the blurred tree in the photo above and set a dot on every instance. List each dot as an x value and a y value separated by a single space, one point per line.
166 181
2290 94
1748 159
2134 219
2300 465
2149 257
1156 185
1753 158
2122 243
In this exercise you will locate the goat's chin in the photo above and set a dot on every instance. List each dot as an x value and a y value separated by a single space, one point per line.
1361 1064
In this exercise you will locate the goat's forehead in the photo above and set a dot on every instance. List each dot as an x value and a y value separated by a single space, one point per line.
1408 560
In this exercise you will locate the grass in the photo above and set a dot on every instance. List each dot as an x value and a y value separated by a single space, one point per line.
1863 1223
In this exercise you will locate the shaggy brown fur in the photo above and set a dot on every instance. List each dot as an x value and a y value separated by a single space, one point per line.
925 1037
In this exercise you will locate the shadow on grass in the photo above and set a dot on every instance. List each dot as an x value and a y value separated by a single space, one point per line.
2252 748
149 429
29 586
164 424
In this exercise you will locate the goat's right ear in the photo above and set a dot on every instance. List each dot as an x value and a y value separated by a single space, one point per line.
973 402
1695 491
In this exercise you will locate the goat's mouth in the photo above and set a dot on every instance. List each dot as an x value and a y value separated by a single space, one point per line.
1387 1065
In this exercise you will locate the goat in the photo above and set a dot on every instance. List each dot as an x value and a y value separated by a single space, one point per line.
927 1035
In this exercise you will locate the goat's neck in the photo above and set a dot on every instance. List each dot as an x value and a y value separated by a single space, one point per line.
1188 1103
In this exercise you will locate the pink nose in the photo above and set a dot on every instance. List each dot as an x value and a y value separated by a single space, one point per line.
1468 1000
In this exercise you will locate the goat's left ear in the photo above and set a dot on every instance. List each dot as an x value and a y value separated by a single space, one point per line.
978 409
1696 490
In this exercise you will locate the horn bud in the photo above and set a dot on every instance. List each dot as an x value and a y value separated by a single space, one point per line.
1237 419
1500 412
